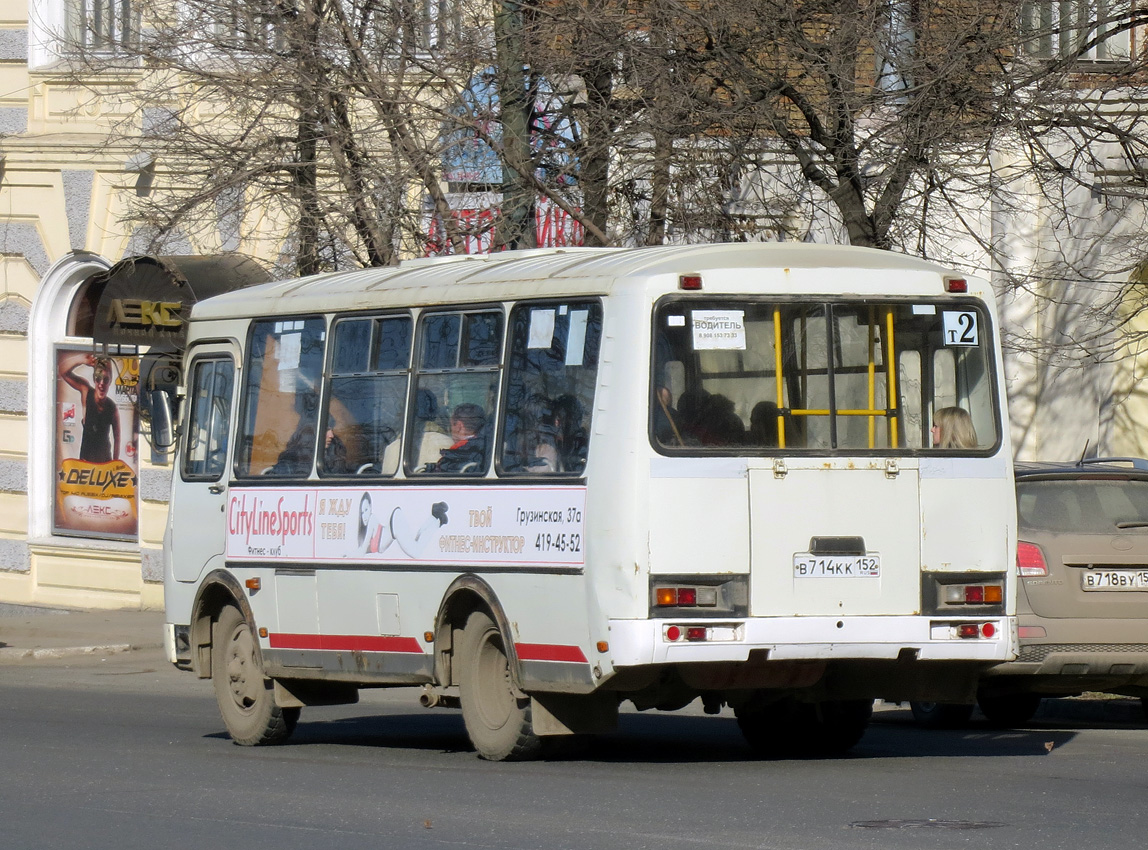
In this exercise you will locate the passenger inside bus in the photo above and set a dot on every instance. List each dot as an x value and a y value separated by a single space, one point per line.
295 459
561 443
953 429
468 451
666 429
763 424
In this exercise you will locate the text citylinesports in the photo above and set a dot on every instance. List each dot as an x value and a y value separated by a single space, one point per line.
274 522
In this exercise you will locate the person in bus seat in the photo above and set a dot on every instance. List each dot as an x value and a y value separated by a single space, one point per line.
335 451
710 419
295 459
561 439
953 429
666 429
763 424
468 451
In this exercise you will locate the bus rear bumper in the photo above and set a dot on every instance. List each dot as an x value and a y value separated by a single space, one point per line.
977 639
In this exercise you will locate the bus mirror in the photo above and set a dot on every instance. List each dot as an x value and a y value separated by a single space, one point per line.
162 415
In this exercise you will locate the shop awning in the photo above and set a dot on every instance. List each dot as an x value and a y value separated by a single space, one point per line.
146 301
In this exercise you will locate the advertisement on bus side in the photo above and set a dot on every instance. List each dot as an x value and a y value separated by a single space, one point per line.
456 525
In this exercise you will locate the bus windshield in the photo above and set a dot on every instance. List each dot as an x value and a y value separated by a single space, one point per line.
745 375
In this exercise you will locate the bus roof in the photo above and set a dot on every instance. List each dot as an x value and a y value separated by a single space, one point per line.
533 273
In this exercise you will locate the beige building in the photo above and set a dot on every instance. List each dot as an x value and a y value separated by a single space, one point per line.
64 189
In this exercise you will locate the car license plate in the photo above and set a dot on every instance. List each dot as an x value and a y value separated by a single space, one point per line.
1114 580
836 566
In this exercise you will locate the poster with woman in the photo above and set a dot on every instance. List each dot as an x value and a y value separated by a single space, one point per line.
97 463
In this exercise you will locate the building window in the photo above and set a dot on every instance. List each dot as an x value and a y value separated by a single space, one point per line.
102 25
1090 30
253 26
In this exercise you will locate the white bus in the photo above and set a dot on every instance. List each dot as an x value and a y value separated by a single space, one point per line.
540 483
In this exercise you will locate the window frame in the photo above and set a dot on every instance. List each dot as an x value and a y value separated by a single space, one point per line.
410 468
330 377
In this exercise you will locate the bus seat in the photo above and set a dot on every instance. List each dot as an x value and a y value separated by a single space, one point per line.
391 455
431 446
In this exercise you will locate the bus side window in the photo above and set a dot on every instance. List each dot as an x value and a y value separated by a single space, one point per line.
370 365
456 392
553 364
281 398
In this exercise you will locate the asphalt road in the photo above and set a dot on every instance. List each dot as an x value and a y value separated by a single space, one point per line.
125 752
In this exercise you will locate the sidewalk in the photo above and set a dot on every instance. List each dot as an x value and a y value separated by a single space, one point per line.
40 633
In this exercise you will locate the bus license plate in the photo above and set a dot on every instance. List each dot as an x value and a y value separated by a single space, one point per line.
1114 580
836 566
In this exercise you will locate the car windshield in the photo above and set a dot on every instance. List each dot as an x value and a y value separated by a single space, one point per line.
1082 505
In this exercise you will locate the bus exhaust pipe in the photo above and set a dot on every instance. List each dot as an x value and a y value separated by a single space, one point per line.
432 698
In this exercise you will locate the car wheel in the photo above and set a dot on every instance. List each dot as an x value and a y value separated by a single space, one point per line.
1009 709
941 715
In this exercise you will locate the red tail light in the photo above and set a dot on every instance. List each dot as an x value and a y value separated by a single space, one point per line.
1030 560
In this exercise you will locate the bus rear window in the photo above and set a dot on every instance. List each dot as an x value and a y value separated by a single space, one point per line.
755 376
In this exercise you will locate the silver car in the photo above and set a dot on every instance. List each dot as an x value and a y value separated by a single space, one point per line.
1082 604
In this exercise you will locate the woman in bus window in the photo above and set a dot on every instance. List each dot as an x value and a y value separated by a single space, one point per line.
953 429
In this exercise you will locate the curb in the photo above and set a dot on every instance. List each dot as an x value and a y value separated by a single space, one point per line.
12 654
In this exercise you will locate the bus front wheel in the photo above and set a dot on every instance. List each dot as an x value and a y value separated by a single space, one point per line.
245 696
496 714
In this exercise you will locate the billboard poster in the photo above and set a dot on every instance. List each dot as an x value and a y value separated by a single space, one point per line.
510 526
97 462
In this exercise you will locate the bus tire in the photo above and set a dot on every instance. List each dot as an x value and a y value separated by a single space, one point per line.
1008 709
842 724
791 729
496 714
246 697
941 715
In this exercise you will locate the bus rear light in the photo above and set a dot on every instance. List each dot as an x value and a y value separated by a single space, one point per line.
673 633
686 597
1030 560
696 633
956 284
988 630
968 630
973 594
690 282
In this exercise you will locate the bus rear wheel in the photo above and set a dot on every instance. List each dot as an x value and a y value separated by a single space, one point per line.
790 729
941 715
496 714
1007 710
245 696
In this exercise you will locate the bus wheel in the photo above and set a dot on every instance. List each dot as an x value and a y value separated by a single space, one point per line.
245 696
1009 709
496 715
842 724
791 729
941 715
